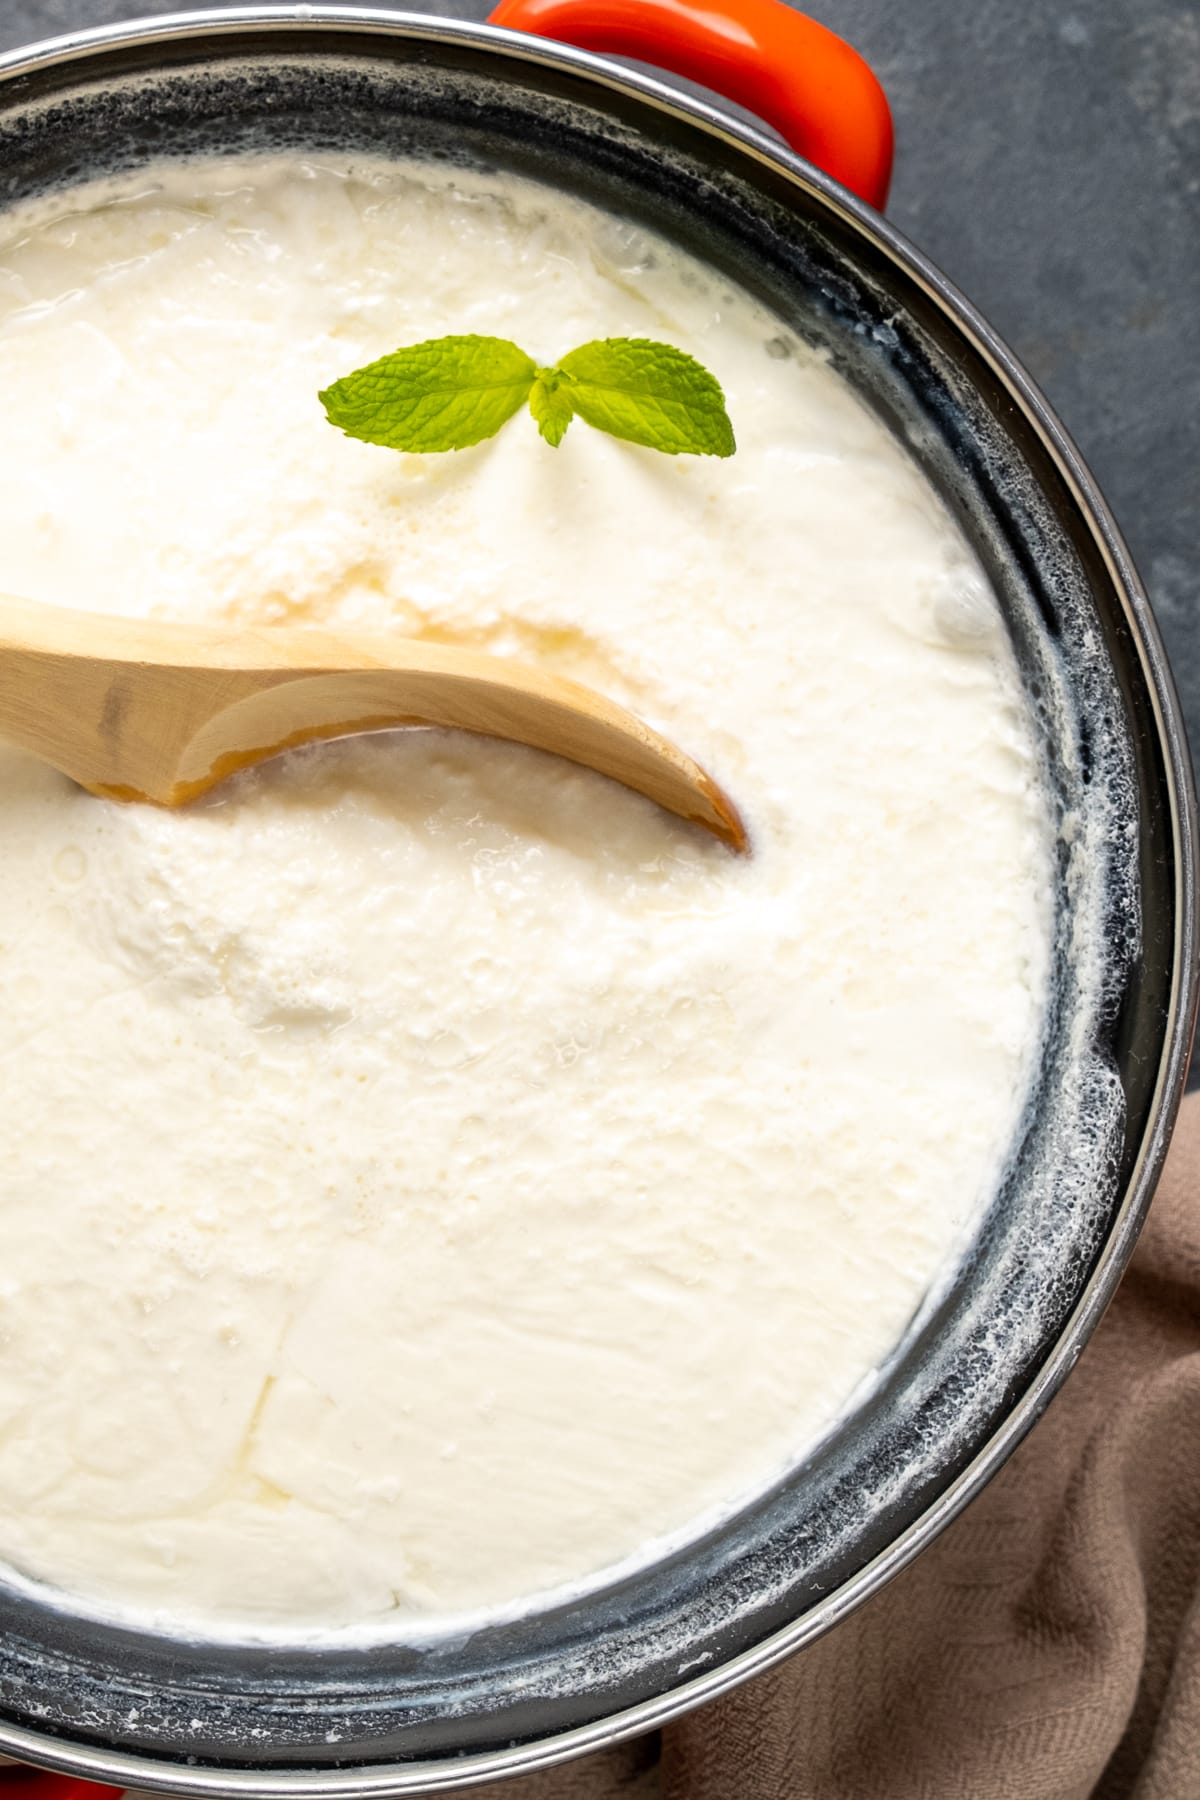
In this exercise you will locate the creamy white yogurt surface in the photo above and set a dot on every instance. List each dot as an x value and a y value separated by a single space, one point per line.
430 1174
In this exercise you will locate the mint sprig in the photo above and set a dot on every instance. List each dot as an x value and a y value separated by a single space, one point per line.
452 392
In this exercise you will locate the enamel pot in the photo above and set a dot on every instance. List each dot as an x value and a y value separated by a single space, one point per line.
985 1355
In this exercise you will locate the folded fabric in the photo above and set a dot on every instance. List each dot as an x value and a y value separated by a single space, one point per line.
1046 1647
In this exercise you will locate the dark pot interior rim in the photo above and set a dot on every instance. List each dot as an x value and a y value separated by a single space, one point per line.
94 1763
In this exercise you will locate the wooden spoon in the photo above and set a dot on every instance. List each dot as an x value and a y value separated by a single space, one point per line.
142 710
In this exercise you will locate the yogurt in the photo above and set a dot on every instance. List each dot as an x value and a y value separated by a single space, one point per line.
433 1176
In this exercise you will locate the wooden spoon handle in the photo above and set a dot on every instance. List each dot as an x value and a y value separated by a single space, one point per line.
162 711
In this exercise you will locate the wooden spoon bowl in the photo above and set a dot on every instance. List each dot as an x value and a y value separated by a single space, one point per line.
145 710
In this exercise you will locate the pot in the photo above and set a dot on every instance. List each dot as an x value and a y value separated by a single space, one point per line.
986 1352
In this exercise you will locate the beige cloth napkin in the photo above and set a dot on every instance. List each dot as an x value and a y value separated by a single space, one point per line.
1046 1647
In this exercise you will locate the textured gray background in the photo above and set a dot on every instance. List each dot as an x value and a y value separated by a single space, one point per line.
1049 160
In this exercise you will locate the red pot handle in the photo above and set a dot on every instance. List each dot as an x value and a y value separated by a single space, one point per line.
817 92
19 1782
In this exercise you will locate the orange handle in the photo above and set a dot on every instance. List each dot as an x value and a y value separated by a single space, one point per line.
19 1782
817 92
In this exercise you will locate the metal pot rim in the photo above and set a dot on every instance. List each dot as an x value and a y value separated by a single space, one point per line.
97 1764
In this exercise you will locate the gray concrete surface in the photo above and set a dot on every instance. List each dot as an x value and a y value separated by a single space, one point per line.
1049 161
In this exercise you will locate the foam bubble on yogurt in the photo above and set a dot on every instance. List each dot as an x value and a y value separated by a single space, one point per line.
433 1175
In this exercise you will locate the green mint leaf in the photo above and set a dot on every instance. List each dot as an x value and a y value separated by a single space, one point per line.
551 406
445 394
649 394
